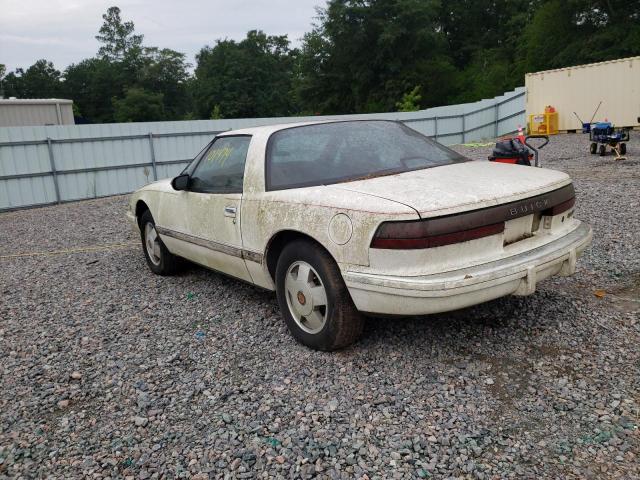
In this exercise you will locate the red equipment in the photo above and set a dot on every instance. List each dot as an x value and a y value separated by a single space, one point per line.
515 151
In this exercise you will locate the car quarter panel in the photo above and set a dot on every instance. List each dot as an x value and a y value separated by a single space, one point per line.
309 211
314 212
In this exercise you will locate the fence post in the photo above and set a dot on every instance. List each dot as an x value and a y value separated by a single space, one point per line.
153 156
435 128
464 127
496 120
54 172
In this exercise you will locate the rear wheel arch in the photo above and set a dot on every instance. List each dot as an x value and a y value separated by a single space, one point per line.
316 306
279 241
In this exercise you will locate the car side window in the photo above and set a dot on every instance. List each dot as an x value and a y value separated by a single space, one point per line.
296 158
221 169
194 163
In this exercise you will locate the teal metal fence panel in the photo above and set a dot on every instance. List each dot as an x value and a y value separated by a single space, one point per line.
55 164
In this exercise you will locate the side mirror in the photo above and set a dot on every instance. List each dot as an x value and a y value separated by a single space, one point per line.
181 182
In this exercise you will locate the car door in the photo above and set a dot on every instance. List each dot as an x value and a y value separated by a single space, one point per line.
202 223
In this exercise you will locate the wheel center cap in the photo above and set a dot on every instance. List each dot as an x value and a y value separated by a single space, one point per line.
301 298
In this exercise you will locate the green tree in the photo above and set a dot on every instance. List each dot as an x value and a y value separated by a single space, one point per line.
139 105
410 101
216 114
549 36
251 78
475 26
40 80
573 32
3 70
127 71
13 85
361 56
117 37
485 43
92 83
311 76
365 54
165 71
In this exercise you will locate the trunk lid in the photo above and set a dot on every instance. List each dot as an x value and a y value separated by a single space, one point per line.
455 188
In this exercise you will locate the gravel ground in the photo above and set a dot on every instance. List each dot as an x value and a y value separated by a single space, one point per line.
108 371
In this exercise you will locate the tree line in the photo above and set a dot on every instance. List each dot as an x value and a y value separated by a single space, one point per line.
361 56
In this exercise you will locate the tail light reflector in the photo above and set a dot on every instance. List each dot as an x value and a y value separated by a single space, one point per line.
470 225
560 208
400 236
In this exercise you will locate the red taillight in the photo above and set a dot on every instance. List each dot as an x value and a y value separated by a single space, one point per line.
470 225
561 207
413 235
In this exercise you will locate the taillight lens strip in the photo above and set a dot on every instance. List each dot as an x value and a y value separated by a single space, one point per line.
560 208
437 240
462 227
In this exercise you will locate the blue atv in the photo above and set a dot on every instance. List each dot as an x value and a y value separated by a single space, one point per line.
604 134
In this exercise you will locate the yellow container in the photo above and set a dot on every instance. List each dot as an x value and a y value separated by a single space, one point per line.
543 123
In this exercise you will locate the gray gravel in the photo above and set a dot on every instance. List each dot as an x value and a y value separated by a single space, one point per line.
108 371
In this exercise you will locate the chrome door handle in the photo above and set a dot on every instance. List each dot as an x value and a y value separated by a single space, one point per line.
230 212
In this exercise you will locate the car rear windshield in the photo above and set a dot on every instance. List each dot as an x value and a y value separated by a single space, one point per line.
328 153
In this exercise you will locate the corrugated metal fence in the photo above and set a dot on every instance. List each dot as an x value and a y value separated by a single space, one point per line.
46 165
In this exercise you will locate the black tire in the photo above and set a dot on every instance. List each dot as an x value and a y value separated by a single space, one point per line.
343 324
594 148
603 150
623 149
168 262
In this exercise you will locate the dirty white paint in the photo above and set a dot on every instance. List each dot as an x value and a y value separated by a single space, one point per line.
449 290
462 186
344 217
340 229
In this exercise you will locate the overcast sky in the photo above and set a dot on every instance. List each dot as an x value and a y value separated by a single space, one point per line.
63 31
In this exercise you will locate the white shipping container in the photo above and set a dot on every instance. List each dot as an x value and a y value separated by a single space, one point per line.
35 112
580 89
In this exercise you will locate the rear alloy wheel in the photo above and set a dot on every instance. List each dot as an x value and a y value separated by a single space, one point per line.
160 260
306 297
314 300
594 148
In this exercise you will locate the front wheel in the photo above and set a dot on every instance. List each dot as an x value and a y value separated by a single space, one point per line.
160 260
314 300
603 150
594 148
623 149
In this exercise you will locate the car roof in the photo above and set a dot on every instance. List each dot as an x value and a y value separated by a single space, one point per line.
269 129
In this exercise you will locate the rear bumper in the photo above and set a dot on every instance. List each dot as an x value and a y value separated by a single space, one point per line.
517 275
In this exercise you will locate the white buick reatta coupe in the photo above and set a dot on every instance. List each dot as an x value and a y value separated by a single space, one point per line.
351 217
